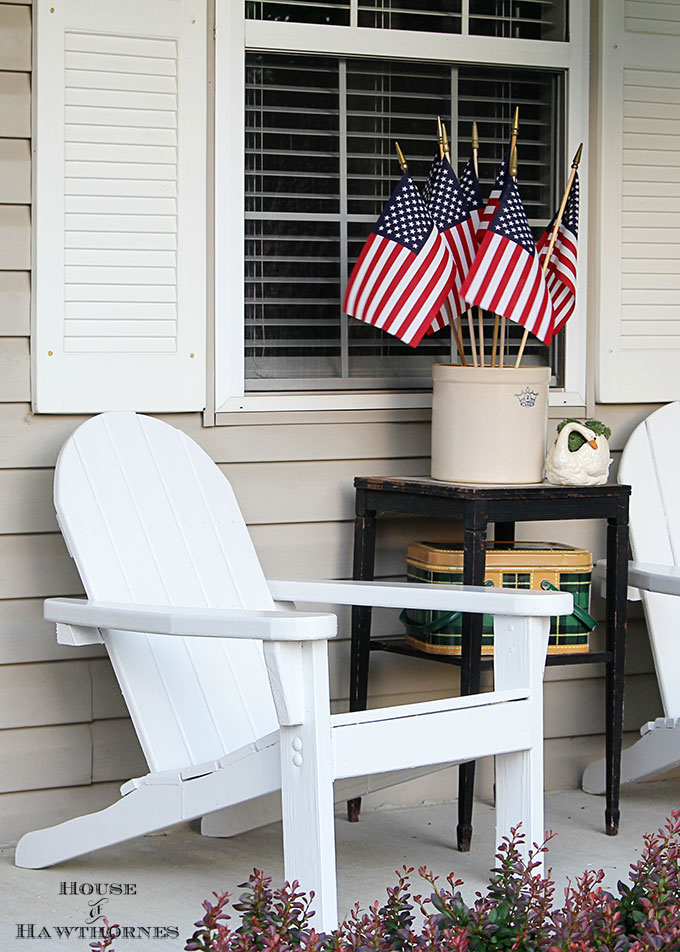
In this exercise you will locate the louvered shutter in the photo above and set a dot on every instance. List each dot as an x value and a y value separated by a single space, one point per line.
119 205
639 202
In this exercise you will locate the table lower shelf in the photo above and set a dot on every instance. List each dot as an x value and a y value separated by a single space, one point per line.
399 646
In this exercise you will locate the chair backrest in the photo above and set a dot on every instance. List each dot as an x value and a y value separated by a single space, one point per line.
149 519
651 465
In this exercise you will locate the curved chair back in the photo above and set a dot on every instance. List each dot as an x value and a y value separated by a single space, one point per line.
149 519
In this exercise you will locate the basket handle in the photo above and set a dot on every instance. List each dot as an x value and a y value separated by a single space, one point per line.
579 612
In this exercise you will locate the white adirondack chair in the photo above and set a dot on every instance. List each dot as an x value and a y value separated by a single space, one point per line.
177 595
650 465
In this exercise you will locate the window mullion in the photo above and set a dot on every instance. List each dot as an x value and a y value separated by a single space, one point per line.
342 145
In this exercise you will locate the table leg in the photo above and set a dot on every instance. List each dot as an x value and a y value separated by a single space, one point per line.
617 581
474 559
363 569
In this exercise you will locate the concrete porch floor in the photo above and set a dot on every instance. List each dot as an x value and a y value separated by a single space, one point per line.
171 873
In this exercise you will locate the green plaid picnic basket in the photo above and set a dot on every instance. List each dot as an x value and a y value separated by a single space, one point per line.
546 565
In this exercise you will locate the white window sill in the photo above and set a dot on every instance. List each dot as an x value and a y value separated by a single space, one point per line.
298 401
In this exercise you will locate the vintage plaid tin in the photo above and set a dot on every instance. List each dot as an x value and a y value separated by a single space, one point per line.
510 565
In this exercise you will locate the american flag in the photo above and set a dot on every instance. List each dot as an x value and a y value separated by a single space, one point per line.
561 272
451 214
494 198
469 183
506 276
403 273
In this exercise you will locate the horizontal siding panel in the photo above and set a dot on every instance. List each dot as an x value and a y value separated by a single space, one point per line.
33 566
107 700
576 708
15 304
15 171
15 105
35 695
36 758
15 237
15 377
324 549
15 37
28 440
116 754
25 636
308 491
26 501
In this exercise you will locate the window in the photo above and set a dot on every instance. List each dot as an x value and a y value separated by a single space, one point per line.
322 111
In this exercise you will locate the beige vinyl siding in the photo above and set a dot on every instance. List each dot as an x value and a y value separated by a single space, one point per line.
65 740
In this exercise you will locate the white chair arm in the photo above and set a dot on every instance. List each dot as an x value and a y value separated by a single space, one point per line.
464 598
199 622
649 577
644 576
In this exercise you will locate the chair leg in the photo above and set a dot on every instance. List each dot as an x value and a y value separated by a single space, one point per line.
657 751
519 797
142 811
307 790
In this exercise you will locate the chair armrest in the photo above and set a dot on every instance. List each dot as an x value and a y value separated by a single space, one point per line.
464 598
650 577
646 577
199 622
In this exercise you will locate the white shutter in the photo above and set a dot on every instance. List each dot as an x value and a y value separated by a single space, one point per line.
119 293
639 202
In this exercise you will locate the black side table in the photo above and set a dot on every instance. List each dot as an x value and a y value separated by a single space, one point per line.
477 506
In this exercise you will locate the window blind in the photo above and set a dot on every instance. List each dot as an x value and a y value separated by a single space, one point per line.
320 164
518 19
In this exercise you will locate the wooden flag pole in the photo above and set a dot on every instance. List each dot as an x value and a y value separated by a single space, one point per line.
480 315
471 326
553 238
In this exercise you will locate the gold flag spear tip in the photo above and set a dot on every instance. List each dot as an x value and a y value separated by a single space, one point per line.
440 136
400 155
577 157
513 163
515 123
447 153
475 136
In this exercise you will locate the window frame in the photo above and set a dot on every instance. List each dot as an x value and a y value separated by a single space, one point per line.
233 35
